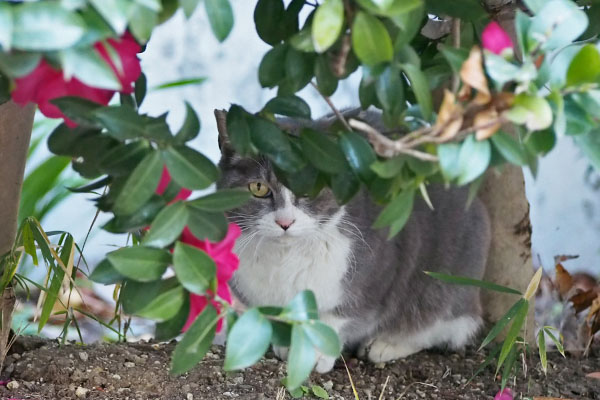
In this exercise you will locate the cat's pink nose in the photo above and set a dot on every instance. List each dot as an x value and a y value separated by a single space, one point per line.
285 223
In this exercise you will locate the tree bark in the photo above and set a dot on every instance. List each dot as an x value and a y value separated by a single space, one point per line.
509 261
15 131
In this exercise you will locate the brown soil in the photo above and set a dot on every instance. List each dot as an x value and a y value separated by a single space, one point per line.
41 369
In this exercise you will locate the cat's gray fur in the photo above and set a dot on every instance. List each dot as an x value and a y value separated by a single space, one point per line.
386 300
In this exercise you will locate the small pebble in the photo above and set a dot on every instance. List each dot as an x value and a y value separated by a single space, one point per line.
328 385
12 385
380 365
81 392
83 356
16 356
190 396
129 364
117 377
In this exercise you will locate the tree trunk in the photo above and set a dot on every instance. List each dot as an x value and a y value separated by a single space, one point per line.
509 261
15 131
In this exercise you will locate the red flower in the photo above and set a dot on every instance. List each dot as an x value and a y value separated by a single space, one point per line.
46 83
505 394
227 262
165 178
495 39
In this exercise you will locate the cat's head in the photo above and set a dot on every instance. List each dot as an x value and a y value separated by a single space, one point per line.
273 211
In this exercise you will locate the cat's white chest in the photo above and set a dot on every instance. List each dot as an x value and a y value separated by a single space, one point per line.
272 273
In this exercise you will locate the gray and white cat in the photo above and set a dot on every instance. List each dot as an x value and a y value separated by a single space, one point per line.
371 290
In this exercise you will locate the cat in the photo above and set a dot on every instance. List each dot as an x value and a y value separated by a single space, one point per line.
371 290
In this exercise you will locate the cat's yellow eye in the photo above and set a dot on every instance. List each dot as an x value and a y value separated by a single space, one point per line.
259 189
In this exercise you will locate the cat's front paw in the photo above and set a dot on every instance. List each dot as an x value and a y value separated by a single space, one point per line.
383 350
281 352
324 363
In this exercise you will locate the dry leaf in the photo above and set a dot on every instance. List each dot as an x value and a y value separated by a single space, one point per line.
485 119
471 73
594 308
583 300
533 284
594 375
450 117
563 280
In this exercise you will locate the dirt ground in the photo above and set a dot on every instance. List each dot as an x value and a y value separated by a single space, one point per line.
41 369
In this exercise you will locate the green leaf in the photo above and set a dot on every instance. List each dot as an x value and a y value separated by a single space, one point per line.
19 64
473 159
455 57
461 280
345 185
238 130
510 149
122 122
143 264
502 322
589 143
106 274
391 167
271 141
207 225
542 350
220 16
359 154
165 304
409 22
142 21
533 112
326 80
268 15
323 337
247 341
6 26
91 69
557 24
302 307
390 90
122 159
180 82
396 213
141 87
29 244
45 26
319 392
167 330
191 126
557 343
78 109
194 268
470 10
299 68
271 70
167 225
327 24
420 87
195 342
115 12
585 66
560 65
221 200
322 152
189 6
389 8
302 41
370 40
301 358
501 70
189 168
140 185
513 332
140 219
291 106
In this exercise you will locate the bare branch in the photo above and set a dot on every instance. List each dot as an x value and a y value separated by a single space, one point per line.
337 112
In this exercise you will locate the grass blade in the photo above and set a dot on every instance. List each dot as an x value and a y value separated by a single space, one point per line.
502 322
462 280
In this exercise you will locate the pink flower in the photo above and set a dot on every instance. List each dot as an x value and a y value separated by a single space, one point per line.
165 178
505 394
227 262
46 83
495 39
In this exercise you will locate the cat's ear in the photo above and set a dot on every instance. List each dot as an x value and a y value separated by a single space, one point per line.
224 142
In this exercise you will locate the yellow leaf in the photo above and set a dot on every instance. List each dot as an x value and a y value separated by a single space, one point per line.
533 284
450 117
471 73
485 119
